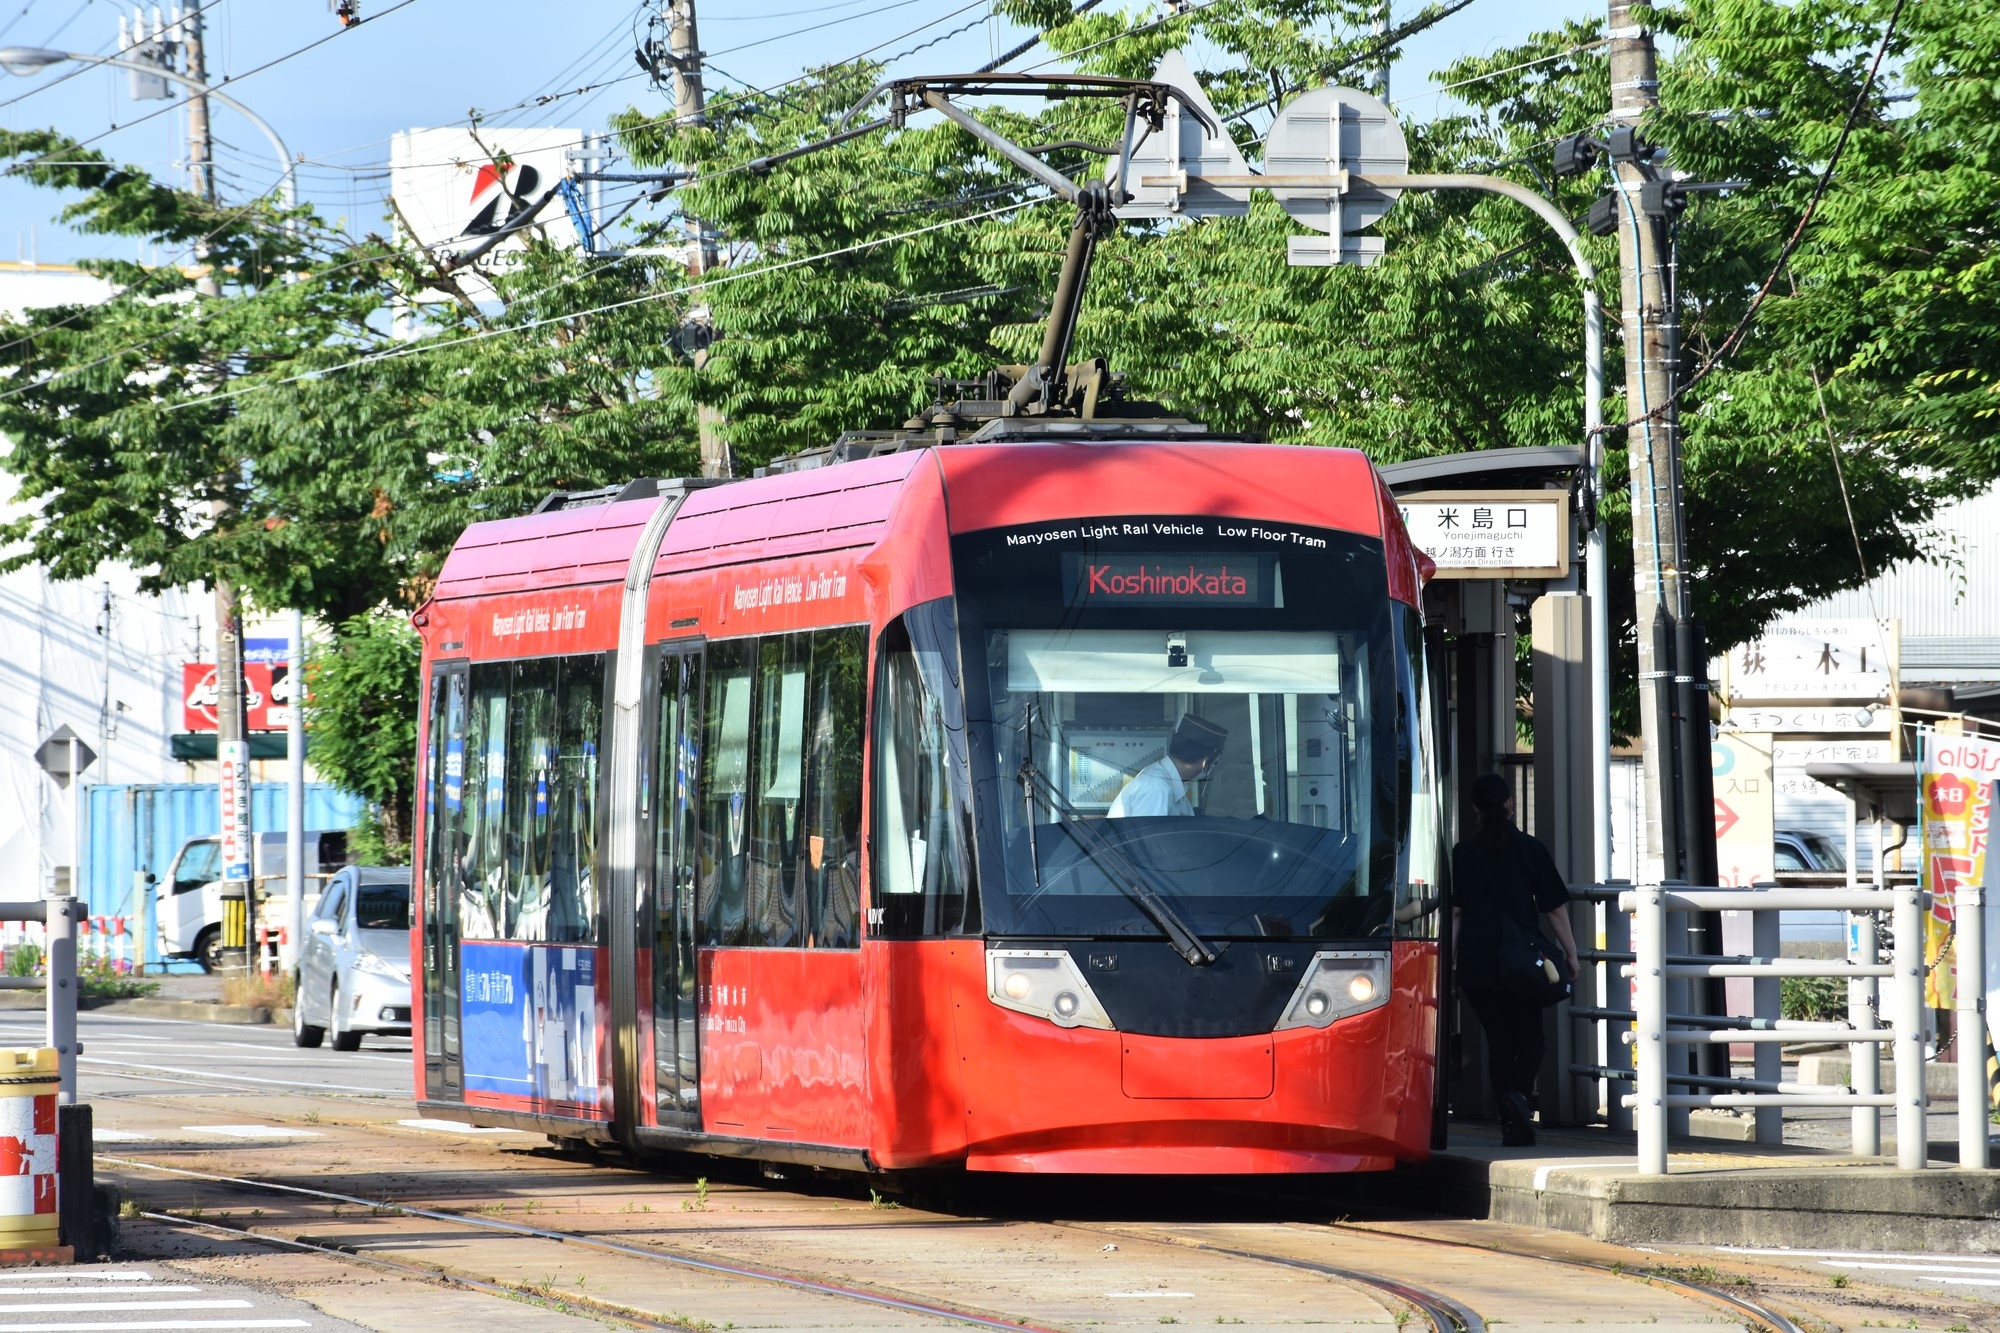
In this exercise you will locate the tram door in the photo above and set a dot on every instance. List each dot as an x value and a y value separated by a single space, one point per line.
676 1056
444 853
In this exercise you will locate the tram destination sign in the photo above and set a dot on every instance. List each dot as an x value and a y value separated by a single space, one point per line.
1168 578
1491 534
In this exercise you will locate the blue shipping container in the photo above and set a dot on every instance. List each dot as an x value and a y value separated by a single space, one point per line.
132 827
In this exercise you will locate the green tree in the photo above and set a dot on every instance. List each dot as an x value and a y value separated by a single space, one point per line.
1876 345
279 434
360 708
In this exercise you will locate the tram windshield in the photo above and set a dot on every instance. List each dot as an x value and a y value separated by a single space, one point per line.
1204 729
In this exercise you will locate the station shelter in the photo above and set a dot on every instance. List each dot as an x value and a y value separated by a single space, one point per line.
1506 528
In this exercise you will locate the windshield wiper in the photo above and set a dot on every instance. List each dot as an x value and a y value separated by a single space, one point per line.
1103 853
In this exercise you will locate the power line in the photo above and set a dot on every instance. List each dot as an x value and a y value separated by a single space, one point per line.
800 32
71 19
17 18
785 14
81 67
733 275
175 106
1729 345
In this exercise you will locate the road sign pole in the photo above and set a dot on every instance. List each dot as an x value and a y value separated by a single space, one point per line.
295 795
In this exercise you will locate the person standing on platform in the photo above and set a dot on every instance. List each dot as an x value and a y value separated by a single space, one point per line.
1507 898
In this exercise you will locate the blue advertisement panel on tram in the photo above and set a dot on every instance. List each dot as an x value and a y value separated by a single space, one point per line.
532 1023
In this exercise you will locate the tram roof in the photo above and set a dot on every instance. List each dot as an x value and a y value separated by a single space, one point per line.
577 538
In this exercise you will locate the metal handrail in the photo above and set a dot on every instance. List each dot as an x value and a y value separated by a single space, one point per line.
60 915
1654 1029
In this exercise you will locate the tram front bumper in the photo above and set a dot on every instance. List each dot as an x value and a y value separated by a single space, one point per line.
1039 1099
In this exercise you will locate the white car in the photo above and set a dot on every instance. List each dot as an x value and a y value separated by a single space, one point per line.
354 968
187 909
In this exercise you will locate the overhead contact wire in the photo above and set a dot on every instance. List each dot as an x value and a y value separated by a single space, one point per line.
734 275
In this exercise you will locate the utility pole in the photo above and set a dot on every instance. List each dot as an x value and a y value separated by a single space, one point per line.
1658 555
201 151
1381 76
232 751
691 108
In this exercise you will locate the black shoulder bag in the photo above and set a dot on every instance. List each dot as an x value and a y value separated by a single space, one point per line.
1531 969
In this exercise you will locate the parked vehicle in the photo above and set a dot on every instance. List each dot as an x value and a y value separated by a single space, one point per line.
1801 850
354 965
188 904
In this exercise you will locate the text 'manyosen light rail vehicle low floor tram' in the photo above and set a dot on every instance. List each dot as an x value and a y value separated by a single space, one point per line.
780 818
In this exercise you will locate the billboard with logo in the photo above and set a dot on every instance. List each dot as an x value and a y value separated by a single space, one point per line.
267 696
1957 775
454 189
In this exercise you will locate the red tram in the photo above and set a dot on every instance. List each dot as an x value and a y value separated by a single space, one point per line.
1049 805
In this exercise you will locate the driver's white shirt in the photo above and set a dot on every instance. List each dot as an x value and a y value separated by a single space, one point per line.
1156 789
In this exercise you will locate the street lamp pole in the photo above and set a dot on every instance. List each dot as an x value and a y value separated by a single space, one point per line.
1597 572
1595 564
25 59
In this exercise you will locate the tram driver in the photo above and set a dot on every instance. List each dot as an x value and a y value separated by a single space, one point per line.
1160 788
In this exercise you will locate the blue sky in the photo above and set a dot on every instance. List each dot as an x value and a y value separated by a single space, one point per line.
431 61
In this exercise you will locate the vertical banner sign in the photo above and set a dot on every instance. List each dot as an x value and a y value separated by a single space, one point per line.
1993 965
1956 774
1744 817
235 764
1744 821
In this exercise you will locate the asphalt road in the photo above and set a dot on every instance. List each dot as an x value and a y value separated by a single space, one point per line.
145 1057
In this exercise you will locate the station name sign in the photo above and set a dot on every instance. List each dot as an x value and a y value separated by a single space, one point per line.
1166 578
1491 534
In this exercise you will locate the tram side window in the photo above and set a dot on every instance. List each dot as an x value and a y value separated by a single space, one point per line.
531 752
723 882
528 847
573 860
482 869
781 790
444 803
773 907
923 810
1417 889
830 812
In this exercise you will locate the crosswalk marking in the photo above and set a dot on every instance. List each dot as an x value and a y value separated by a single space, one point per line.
252 1131
44 1307
7 1292
44 1275
103 1135
1911 1268
15 1291
1989 1259
153 1325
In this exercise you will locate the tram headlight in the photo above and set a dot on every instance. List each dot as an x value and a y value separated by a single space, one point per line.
1339 984
1045 983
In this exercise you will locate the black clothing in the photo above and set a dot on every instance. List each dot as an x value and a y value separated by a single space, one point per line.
1518 879
1514 1049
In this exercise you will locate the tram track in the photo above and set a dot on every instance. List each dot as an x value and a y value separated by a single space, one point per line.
1772 1321
1441 1313
348 1254
878 1298
1384 1279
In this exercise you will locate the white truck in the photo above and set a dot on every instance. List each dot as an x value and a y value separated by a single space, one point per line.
187 904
